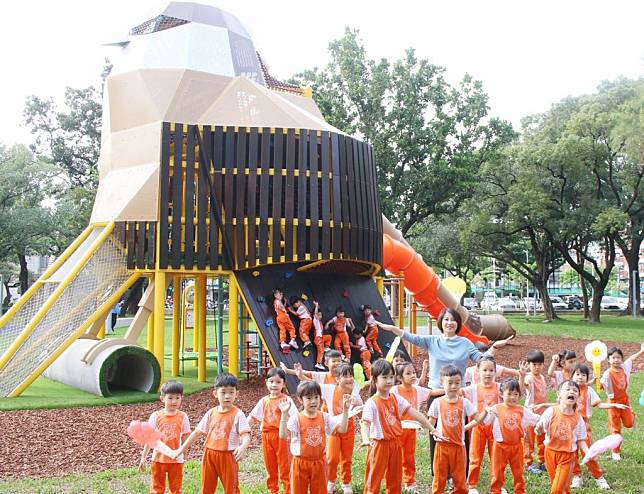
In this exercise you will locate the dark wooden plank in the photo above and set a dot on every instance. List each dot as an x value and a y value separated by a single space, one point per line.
278 165
203 194
131 244
264 192
241 161
363 217
336 197
189 229
325 155
370 184
343 199
228 193
177 197
353 203
214 169
140 244
252 193
119 232
164 195
151 249
314 193
289 195
302 203
376 206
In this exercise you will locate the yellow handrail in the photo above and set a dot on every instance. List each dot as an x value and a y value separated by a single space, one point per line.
20 339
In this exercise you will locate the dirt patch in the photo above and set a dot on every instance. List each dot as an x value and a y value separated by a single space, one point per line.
46 443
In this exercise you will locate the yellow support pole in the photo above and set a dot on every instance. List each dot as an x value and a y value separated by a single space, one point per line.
150 331
380 284
176 323
101 332
201 324
159 319
196 327
233 325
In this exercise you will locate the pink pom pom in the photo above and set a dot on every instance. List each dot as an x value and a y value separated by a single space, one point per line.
601 445
143 433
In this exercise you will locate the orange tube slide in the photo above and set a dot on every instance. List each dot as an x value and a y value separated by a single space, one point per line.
422 282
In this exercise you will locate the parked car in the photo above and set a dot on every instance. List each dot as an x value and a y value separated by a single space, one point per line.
505 304
613 303
558 303
470 303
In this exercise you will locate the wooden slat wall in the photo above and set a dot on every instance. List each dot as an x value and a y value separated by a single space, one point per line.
317 189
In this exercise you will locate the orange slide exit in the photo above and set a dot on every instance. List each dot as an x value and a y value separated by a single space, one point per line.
421 281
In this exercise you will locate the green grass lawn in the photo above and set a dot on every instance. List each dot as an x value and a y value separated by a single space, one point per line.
624 477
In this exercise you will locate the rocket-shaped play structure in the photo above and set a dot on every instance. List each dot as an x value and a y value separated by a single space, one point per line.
210 167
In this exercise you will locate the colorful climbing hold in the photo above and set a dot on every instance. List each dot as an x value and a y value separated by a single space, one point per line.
268 323
261 299
288 274
256 273
304 296
345 293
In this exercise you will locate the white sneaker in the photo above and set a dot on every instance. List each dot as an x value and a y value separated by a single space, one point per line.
503 491
294 344
346 489
411 488
576 482
602 484
473 490
330 487
616 456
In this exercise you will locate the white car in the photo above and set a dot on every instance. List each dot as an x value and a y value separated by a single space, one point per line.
614 303
558 303
470 303
505 304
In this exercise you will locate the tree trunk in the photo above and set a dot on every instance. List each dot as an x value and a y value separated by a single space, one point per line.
595 308
7 298
584 287
632 259
548 311
23 278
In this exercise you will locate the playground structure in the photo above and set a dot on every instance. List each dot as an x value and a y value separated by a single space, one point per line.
210 168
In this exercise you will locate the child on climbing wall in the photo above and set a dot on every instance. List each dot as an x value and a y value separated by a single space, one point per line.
322 341
340 323
302 312
283 321
365 354
175 428
371 330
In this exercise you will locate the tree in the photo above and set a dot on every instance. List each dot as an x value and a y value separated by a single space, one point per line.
429 138
25 223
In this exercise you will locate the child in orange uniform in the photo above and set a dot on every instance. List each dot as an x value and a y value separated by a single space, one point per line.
483 395
415 395
267 413
340 445
340 323
309 430
365 353
371 330
381 429
174 427
615 382
227 437
561 366
449 413
471 375
536 386
565 433
303 314
333 358
509 421
283 320
588 399
322 341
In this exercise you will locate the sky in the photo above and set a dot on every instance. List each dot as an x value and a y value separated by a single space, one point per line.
528 54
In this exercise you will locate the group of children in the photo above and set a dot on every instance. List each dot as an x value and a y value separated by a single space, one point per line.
303 450
339 331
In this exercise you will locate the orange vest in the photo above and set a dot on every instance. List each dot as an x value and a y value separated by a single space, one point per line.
170 427
560 430
389 416
619 382
312 436
511 423
219 427
452 420
340 324
486 397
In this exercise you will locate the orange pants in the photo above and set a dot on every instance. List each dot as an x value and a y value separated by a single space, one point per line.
305 330
480 437
502 455
277 459
408 441
384 460
449 458
285 324
365 357
593 467
617 417
342 341
528 446
321 342
216 465
372 339
340 453
174 472
308 474
559 465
